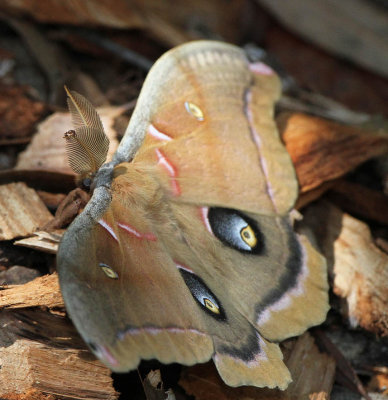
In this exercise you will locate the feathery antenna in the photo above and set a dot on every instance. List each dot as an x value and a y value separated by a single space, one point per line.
87 145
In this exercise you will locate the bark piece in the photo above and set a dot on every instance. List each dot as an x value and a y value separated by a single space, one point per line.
172 22
322 150
308 197
50 57
55 363
18 112
360 200
379 383
40 179
42 291
47 242
358 267
315 104
32 394
18 275
358 89
352 29
345 373
55 371
312 373
21 211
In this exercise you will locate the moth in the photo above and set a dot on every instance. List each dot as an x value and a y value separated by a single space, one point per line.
186 250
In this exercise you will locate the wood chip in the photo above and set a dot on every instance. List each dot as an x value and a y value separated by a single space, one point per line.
21 211
32 394
42 291
47 242
312 373
53 360
78 378
358 267
322 150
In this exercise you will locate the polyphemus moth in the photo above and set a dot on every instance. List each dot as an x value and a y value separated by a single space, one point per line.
186 249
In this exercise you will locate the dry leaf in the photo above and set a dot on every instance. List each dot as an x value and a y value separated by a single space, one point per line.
322 150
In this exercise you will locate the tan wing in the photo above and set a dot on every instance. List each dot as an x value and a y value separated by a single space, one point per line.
211 133
208 115
129 289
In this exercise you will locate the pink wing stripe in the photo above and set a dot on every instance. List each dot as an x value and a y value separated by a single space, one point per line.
157 330
259 145
261 68
136 233
105 225
103 353
171 170
204 212
180 266
157 134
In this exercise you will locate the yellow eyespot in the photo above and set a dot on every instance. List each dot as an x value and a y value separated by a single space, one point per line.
109 272
248 236
194 110
211 306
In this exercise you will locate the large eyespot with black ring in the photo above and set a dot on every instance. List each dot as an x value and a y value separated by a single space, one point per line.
202 294
236 230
